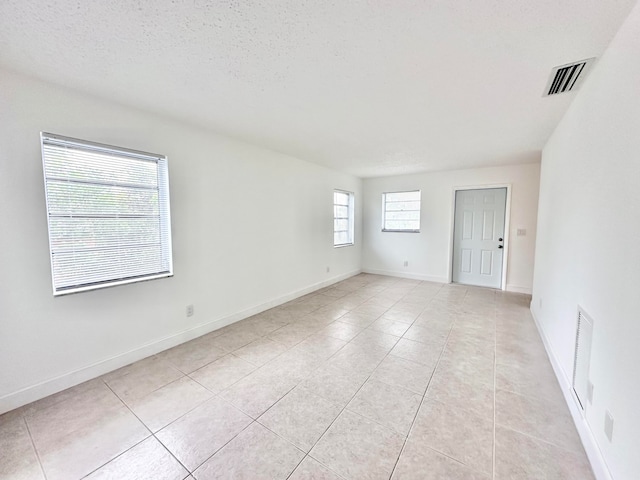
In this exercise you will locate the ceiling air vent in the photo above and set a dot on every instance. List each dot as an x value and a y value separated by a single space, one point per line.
566 78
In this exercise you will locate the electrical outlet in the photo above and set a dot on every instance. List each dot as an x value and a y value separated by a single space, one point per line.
406 263
608 425
328 269
590 392
189 310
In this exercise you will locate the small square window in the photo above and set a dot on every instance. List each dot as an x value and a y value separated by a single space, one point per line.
401 211
342 218
108 214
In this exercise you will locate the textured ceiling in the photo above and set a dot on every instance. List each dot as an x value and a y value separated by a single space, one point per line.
368 87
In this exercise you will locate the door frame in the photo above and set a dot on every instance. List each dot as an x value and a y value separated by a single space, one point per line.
507 221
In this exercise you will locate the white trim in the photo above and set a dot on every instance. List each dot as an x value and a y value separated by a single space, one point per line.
384 213
507 228
352 211
50 386
594 454
80 281
518 289
411 276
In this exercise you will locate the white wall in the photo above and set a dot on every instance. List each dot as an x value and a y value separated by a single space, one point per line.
588 245
429 252
250 227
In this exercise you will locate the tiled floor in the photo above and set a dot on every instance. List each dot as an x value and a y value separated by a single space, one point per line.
372 378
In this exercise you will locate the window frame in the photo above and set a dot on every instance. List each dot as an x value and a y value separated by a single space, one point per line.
384 213
351 213
164 246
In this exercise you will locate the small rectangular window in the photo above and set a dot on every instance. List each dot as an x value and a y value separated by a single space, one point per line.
342 218
401 211
108 214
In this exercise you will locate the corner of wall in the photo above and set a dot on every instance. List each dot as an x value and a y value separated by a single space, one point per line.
410 276
518 289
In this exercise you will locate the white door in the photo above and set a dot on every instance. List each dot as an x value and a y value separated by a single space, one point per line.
478 236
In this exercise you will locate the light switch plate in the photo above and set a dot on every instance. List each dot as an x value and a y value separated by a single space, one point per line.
608 425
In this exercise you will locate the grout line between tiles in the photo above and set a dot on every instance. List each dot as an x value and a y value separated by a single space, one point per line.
132 446
225 444
117 456
348 402
367 379
340 477
153 434
33 445
189 472
541 440
297 383
182 375
220 391
404 444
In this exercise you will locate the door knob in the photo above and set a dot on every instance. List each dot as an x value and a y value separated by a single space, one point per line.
500 246
499 239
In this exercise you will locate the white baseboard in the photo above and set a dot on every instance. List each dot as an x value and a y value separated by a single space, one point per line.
518 289
431 278
411 276
598 463
50 386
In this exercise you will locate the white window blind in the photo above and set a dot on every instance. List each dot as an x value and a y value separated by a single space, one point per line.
108 214
401 211
342 218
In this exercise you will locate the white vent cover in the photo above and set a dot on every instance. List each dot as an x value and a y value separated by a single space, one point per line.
566 78
584 334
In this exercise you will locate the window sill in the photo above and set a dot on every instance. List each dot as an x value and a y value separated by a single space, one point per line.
344 245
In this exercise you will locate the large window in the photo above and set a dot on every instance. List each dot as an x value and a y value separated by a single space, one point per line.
108 212
342 218
401 211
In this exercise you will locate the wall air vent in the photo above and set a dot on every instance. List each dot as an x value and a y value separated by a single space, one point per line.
567 78
582 358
